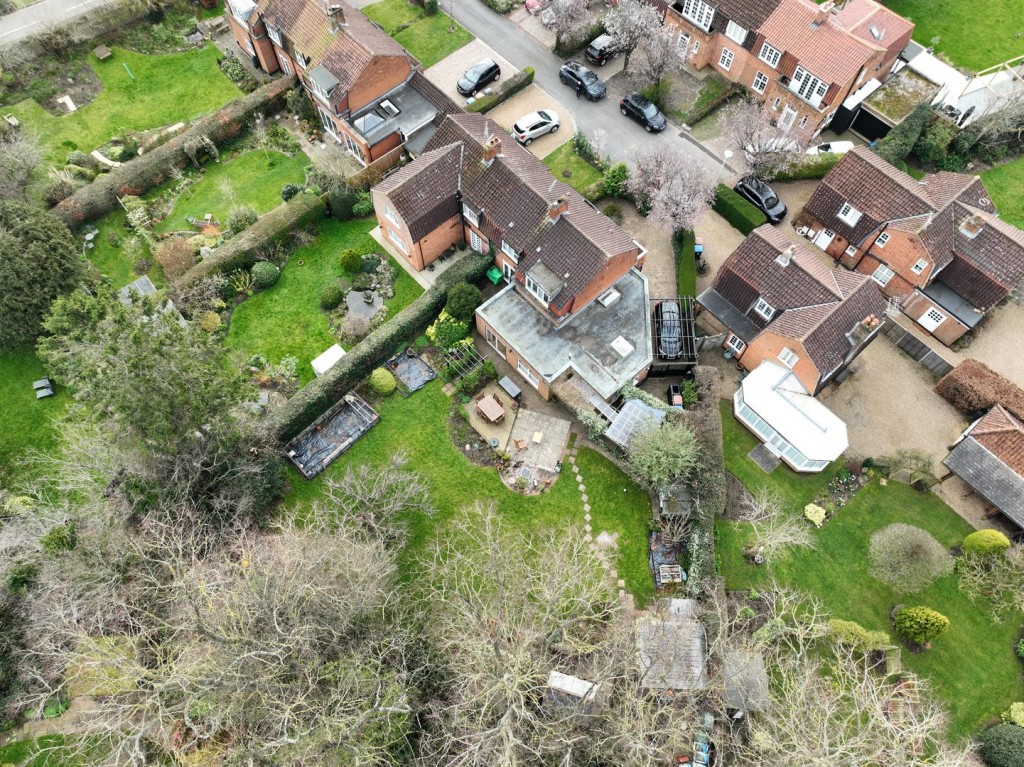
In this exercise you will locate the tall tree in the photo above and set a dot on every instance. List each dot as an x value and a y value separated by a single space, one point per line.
673 192
751 128
631 22
569 17
657 56
40 262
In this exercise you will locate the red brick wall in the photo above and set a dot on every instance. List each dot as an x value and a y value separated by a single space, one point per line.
611 273
378 77
513 358
438 241
917 304
384 146
768 346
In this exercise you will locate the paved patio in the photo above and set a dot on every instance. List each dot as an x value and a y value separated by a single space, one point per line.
546 452
427 277
493 431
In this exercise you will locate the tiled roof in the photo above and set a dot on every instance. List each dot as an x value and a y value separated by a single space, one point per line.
990 459
1003 435
860 16
422 194
749 14
827 344
438 98
983 268
817 40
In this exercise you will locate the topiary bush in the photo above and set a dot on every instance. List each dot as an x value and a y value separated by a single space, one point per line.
290 190
351 261
265 274
241 217
363 205
447 331
1002 746
383 382
614 212
986 543
907 557
852 634
1014 714
920 625
331 296
463 299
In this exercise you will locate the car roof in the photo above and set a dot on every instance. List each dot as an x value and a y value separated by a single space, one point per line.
603 40
574 65
637 99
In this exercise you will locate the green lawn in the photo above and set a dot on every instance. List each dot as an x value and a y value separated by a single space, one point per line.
1004 184
583 173
166 89
114 261
417 425
972 666
974 35
44 752
797 489
254 178
286 321
428 38
26 424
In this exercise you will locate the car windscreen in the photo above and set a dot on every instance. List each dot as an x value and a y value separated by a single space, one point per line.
544 116
475 73
588 77
771 201
650 111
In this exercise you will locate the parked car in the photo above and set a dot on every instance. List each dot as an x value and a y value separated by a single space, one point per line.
833 147
675 396
763 197
534 7
644 112
602 50
535 125
477 76
773 145
575 74
668 330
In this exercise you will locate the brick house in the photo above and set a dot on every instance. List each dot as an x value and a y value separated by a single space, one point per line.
575 304
935 246
989 456
801 58
778 301
367 90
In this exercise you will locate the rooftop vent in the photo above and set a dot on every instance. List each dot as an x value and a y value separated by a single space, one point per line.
609 297
971 226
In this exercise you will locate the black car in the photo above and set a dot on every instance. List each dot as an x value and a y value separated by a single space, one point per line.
602 50
576 75
763 198
644 112
668 329
477 76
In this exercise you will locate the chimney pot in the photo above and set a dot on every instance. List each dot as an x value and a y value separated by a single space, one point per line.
336 16
557 208
492 148
786 256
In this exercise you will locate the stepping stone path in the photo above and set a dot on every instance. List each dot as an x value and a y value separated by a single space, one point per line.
605 543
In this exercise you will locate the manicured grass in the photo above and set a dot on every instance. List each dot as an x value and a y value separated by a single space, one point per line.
418 426
1004 184
973 35
166 89
686 263
428 38
797 489
26 424
286 321
44 752
564 158
971 666
254 178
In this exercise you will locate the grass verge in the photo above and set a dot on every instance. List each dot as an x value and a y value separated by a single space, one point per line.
582 174
428 38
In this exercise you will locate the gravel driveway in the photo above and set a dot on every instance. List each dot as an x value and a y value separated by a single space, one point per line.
445 73
530 99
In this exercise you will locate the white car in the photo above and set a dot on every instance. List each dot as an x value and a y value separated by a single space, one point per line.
833 147
534 125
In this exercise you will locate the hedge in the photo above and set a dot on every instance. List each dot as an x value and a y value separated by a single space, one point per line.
737 211
139 175
813 167
705 104
370 353
511 87
241 250
974 387
683 243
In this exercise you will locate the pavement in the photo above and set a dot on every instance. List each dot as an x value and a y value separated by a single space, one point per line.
446 73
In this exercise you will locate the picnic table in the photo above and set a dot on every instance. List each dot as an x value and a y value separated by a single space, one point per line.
490 409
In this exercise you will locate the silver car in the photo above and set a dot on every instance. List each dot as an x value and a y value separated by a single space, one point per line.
534 125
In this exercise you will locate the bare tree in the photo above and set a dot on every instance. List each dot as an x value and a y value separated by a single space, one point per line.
630 23
997 578
684 198
775 527
657 56
20 155
752 128
650 170
568 18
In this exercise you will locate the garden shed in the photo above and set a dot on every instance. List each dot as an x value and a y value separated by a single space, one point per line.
671 647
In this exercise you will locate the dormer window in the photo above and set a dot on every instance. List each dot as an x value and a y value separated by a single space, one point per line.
770 56
699 13
470 215
509 251
849 214
764 309
301 59
275 34
735 32
539 293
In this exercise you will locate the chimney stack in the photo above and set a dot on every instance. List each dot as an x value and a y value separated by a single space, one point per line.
492 148
557 208
786 256
336 16
824 10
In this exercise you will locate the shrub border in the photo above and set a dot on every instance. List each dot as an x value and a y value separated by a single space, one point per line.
511 87
737 211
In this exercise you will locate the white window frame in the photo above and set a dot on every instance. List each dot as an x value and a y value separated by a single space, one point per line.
760 77
764 309
726 58
398 241
319 91
476 242
849 214
496 343
808 87
525 371
787 358
300 58
683 44
470 215
787 118
777 103
327 123
275 34
508 271
735 343
803 122
931 319
881 240
698 12
248 46
696 47
282 60
735 32
770 55
920 266
882 275
851 250
537 291
509 251
391 216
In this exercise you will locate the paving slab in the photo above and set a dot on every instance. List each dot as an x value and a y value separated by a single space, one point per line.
764 458
545 452
531 99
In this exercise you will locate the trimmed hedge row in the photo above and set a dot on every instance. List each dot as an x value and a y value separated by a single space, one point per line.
511 87
683 243
737 211
317 396
139 175
813 167
240 251
973 386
